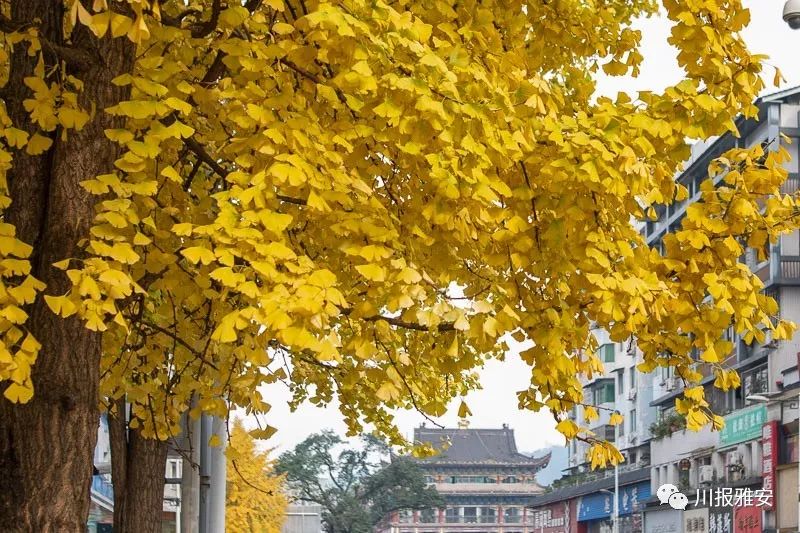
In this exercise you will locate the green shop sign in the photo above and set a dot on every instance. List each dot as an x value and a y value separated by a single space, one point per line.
743 425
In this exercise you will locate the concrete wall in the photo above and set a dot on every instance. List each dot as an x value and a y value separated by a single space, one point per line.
786 498
783 361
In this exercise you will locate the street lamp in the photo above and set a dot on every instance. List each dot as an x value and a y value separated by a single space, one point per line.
615 518
766 397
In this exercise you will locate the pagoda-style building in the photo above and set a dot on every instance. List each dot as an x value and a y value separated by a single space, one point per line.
483 479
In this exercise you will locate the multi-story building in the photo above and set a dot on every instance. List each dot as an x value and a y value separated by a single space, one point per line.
735 457
483 479
757 450
583 501
620 388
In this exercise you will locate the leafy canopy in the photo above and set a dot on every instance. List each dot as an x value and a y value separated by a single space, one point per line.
362 199
354 486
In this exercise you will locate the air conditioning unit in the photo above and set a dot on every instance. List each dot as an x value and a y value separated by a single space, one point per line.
632 394
735 458
706 474
669 384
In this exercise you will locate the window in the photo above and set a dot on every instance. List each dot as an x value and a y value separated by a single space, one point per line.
430 479
632 418
604 392
511 515
174 471
451 515
606 353
511 479
429 516
406 516
620 382
755 381
633 377
470 515
471 479
488 515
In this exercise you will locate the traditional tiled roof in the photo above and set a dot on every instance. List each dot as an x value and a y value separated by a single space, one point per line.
567 493
474 446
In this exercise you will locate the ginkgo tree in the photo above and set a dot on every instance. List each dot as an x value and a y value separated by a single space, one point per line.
203 197
254 498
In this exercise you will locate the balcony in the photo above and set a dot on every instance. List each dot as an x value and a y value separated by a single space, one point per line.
791 185
102 491
487 488
780 270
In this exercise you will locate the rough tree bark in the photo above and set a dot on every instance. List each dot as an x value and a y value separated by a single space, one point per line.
138 468
46 445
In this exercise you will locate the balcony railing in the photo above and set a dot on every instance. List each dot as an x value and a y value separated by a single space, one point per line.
102 488
481 520
791 185
495 518
780 269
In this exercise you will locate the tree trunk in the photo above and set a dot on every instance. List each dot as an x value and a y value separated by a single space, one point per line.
47 445
138 467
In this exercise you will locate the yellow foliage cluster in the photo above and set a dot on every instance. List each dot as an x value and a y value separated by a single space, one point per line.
254 497
364 198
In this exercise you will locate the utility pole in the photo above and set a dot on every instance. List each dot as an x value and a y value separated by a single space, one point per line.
212 476
218 469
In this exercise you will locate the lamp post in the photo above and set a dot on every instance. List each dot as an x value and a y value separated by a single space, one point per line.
615 524
615 515
765 398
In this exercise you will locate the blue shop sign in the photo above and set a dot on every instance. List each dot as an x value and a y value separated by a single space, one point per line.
601 504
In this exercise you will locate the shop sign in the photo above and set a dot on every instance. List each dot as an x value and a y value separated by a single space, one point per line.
667 521
720 520
601 504
553 517
695 521
747 520
743 425
769 436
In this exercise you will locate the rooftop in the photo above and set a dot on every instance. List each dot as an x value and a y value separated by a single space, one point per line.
473 446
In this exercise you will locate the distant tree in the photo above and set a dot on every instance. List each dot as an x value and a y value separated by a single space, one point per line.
355 487
254 496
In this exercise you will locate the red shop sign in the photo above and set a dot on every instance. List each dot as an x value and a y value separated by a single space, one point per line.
747 519
769 436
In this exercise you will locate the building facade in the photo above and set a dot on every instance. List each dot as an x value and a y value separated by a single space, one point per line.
757 451
735 457
483 479
620 388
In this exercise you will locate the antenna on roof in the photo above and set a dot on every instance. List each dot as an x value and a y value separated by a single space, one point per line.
505 426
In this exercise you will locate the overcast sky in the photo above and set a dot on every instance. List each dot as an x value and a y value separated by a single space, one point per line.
496 404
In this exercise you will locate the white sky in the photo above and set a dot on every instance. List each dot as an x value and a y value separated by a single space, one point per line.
496 404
